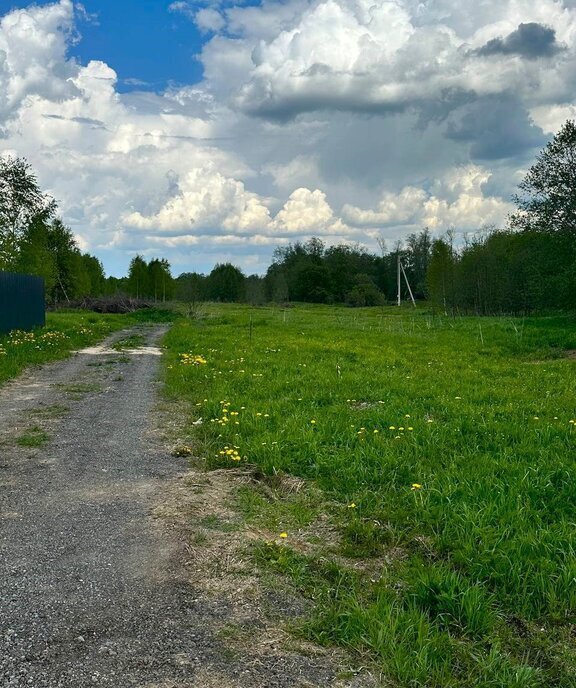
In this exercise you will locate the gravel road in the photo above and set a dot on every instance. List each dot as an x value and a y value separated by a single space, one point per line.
92 588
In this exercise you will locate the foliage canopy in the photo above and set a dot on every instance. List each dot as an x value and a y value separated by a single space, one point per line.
547 199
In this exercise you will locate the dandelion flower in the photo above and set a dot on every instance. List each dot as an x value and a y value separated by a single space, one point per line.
283 535
415 487
352 505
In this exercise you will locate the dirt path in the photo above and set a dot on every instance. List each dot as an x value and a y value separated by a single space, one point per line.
93 589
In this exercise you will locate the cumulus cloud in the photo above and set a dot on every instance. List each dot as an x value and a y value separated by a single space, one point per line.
530 40
458 201
455 201
208 204
307 213
208 200
33 46
384 57
393 209
209 19
550 118
338 118
496 127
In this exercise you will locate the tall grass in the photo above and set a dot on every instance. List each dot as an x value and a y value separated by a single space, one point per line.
445 455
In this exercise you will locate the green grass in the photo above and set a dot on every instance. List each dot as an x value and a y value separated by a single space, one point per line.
466 580
33 437
49 412
65 331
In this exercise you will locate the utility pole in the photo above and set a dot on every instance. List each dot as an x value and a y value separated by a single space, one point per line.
398 280
408 285
401 272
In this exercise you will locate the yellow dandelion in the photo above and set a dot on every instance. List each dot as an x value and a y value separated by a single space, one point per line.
415 487
283 535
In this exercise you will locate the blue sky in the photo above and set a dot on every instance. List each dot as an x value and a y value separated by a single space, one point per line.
142 39
215 132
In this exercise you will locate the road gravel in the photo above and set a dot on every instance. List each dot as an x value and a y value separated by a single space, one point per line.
93 591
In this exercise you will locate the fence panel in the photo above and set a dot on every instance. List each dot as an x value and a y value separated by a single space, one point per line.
21 302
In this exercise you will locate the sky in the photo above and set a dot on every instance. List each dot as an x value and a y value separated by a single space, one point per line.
215 131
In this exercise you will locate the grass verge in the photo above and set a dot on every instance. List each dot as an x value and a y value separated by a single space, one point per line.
65 331
438 453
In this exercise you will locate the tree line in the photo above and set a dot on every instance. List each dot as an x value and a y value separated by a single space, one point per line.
34 240
528 266
531 264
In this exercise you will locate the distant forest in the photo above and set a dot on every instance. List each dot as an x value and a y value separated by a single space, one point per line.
528 266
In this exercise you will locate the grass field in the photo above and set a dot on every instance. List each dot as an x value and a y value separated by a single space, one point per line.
65 331
435 531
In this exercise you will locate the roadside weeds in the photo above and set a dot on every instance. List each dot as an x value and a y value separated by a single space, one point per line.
211 510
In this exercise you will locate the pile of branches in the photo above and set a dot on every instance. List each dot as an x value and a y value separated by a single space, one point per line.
118 303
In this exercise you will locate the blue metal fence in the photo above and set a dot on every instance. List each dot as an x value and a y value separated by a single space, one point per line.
21 302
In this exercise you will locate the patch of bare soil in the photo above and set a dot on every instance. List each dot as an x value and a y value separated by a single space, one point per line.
570 354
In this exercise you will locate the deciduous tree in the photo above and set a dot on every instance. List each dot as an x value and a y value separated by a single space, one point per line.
21 203
547 198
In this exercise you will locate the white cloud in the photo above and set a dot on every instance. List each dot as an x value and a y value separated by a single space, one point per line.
33 45
210 204
307 213
205 199
455 201
209 19
181 7
378 57
551 117
392 209
370 117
